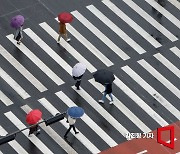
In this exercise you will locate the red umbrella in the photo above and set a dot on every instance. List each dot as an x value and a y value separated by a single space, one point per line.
33 117
65 17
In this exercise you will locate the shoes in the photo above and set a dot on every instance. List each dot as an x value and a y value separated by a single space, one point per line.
30 135
38 132
111 102
68 40
101 101
77 88
58 42
76 132
18 43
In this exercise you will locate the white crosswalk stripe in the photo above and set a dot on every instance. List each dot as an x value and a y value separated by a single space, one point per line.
22 69
5 99
168 64
176 51
165 13
131 23
48 50
37 61
116 29
140 102
14 144
175 3
14 84
151 91
159 77
89 46
151 20
100 35
67 94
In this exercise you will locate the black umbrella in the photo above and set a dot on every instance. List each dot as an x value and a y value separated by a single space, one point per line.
104 76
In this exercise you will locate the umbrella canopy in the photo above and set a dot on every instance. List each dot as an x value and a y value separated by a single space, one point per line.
75 112
78 69
65 17
17 21
33 117
104 76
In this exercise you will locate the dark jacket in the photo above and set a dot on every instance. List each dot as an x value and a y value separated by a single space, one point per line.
108 89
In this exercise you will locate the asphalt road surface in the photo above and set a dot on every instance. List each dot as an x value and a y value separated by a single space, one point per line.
137 40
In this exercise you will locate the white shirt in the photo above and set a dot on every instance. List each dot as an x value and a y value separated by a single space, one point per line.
71 120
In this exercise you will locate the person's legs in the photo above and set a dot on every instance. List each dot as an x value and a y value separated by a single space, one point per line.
78 84
110 95
70 126
74 129
103 98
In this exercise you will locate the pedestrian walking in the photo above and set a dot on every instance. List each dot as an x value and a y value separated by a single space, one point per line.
18 34
62 32
77 73
108 90
34 129
71 122
78 81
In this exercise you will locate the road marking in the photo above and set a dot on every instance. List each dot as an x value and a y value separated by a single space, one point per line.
123 109
131 23
140 102
176 51
79 136
142 152
36 61
49 50
165 13
88 120
14 144
102 111
151 91
60 141
175 3
68 47
151 20
116 29
22 69
100 35
14 84
159 77
5 99
89 46
168 64
40 145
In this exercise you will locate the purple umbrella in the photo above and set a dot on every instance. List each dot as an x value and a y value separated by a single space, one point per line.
17 21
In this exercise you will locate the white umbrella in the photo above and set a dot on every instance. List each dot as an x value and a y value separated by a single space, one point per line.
78 69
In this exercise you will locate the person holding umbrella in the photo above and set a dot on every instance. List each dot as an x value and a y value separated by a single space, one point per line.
106 78
77 73
73 113
32 118
64 18
17 23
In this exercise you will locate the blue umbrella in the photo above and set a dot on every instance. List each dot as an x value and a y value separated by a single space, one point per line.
75 112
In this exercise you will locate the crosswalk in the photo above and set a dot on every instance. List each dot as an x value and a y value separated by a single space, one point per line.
146 89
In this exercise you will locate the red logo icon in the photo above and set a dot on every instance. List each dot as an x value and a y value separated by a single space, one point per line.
159 140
